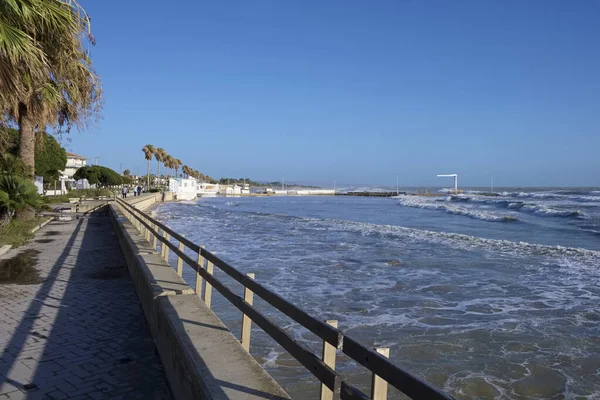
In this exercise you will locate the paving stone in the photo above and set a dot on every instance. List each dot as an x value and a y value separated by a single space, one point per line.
66 334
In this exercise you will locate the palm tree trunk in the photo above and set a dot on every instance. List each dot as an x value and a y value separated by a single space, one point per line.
27 151
158 174
26 138
148 187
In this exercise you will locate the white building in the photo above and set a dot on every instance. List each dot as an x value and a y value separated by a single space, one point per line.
234 190
185 189
74 162
204 189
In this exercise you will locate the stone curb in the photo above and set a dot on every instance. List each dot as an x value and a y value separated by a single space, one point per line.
40 226
4 249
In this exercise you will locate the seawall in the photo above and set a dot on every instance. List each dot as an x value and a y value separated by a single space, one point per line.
202 359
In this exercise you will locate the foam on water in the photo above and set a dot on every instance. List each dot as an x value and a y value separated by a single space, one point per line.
426 203
480 317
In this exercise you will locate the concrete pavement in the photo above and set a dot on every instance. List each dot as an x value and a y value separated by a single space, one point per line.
74 330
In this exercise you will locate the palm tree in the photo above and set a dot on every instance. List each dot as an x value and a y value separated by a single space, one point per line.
178 164
148 153
169 163
46 74
159 154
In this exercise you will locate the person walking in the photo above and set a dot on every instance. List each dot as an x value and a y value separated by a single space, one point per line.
124 192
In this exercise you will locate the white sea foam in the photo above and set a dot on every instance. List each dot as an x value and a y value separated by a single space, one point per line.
540 209
556 254
425 203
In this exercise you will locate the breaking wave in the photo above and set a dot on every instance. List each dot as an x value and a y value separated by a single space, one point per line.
467 242
418 202
538 209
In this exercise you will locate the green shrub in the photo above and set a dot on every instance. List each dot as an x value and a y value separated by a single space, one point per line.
17 194
99 175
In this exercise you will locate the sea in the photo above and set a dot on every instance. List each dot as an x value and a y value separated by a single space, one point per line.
485 296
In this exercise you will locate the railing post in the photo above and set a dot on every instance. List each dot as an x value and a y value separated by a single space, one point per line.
180 260
168 237
162 245
329 360
208 289
154 239
246 321
198 276
379 387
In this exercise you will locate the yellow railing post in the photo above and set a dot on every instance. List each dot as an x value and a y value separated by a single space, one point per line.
329 360
198 276
246 321
147 230
162 245
168 237
180 260
379 387
208 289
154 239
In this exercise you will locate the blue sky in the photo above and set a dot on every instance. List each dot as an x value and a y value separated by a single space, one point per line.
355 90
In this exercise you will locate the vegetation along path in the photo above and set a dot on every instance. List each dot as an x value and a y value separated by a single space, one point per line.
70 321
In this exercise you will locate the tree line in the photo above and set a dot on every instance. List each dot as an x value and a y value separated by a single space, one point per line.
169 162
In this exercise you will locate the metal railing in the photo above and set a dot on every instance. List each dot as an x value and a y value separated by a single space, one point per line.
383 371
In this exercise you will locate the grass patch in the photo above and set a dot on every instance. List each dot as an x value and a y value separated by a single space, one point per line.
64 198
18 232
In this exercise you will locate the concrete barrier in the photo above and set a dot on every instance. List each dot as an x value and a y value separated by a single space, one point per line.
202 359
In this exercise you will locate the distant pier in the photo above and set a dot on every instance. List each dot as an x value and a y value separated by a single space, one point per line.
371 194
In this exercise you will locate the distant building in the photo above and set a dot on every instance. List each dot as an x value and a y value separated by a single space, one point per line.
205 189
74 162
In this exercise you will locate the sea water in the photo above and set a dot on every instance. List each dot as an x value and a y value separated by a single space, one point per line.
484 296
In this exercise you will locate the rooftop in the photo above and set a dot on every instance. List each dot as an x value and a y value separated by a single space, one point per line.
73 155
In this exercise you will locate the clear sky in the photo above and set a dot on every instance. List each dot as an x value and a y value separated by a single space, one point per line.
356 90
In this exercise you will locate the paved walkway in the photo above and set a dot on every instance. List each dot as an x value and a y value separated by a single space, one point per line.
79 332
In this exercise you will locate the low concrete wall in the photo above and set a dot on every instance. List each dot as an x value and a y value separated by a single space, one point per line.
146 200
202 359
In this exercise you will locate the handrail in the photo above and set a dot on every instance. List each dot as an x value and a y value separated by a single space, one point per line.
321 329
401 379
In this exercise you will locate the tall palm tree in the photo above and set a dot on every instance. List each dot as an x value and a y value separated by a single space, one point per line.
159 155
178 164
46 74
148 153
168 163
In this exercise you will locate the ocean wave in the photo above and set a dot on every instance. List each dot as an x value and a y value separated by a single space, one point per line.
553 196
532 208
555 254
417 202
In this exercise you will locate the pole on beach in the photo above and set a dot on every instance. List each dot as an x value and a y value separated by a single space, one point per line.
397 186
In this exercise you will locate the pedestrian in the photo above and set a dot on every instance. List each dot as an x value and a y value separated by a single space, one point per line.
123 192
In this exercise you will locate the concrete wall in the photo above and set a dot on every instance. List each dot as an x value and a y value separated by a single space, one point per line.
202 359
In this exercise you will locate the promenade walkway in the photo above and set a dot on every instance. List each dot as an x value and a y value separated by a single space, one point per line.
78 332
